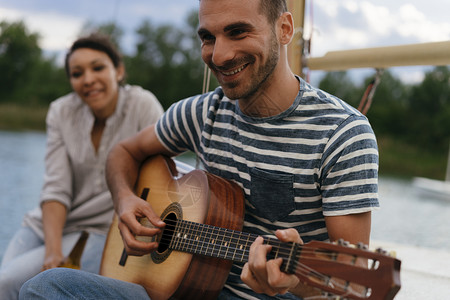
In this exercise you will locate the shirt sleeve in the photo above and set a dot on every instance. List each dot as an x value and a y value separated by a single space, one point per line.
180 128
350 169
58 178
150 110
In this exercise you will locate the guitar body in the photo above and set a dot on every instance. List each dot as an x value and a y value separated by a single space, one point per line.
196 196
202 237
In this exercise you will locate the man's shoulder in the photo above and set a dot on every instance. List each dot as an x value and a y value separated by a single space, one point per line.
211 98
317 99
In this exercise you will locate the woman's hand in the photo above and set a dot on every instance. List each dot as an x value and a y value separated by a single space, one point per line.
52 260
264 276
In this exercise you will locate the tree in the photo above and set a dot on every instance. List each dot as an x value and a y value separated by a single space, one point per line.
341 85
167 61
19 55
111 29
388 110
429 110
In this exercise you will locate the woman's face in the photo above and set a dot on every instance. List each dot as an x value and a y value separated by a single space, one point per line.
95 79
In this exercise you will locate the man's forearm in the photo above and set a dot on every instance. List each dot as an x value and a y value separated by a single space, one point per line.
121 172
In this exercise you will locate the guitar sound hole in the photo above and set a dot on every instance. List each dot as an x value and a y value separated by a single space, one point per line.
167 234
170 216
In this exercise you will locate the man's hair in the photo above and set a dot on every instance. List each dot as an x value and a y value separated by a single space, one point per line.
273 9
97 42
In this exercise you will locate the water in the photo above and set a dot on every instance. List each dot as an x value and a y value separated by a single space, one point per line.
405 217
21 177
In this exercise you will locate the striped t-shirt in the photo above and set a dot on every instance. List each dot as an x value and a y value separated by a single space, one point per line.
318 158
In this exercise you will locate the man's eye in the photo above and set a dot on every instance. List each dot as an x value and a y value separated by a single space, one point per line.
207 38
237 33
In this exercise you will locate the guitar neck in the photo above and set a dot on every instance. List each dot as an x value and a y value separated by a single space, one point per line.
196 238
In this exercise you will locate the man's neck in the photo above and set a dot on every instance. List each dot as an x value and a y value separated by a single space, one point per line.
278 95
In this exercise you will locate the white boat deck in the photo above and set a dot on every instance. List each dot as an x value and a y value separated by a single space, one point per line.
433 187
425 272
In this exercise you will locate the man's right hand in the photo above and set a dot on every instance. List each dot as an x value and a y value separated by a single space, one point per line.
131 210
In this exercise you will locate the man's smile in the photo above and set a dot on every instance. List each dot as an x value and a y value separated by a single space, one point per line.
229 73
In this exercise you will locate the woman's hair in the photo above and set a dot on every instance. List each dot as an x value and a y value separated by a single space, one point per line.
97 42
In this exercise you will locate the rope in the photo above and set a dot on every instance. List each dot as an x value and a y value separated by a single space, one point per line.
367 98
206 79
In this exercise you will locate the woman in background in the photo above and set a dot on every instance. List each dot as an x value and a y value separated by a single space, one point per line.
81 129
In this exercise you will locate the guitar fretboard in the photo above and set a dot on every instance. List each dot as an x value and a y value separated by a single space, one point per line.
227 244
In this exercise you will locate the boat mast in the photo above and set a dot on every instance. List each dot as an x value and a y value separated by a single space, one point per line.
296 48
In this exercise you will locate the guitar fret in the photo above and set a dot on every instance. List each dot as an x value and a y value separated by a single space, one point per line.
211 241
245 253
204 240
208 239
196 237
233 257
201 239
218 242
187 237
225 242
180 234
174 242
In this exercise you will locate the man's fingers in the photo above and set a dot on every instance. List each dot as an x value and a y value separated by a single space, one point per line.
279 280
289 235
133 246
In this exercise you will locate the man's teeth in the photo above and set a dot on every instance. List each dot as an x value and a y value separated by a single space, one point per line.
233 72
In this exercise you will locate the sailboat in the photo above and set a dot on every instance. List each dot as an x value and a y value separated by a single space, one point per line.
433 187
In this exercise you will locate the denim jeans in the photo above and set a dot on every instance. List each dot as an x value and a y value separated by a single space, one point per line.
68 284
61 283
24 258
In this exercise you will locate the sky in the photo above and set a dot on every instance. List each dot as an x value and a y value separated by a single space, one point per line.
331 24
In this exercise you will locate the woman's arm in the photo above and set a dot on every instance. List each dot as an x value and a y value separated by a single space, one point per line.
53 219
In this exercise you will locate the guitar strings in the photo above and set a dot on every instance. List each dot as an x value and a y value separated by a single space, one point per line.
246 238
193 244
307 272
190 244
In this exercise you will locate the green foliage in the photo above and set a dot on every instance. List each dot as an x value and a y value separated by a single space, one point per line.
342 86
429 109
389 106
27 77
19 117
114 32
19 54
167 60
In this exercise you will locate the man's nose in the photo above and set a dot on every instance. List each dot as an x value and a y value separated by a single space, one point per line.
223 52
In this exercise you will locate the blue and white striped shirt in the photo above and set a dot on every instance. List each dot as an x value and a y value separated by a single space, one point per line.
318 158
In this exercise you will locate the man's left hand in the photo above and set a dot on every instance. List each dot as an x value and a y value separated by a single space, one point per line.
264 276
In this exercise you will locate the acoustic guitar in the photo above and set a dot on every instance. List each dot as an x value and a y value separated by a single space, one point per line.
204 215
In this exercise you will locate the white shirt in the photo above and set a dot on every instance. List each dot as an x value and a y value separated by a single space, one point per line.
75 173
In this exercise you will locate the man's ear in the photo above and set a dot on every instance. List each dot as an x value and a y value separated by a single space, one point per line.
285 25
